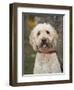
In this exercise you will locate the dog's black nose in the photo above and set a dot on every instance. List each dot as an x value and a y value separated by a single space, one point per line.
44 40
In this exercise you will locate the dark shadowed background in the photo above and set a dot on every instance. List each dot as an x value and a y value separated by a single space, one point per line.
29 21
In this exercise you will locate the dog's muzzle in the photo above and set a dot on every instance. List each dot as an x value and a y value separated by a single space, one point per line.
45 47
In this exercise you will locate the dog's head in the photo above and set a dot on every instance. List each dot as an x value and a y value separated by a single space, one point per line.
43 37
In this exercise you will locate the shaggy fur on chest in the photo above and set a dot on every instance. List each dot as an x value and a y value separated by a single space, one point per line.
46 63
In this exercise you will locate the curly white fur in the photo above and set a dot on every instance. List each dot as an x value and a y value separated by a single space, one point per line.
45 62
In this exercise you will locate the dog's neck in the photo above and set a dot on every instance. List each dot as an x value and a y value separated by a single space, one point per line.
49 52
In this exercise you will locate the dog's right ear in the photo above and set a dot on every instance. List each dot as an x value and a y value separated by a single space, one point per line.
32 40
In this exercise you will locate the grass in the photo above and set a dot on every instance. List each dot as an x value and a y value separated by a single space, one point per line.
29 64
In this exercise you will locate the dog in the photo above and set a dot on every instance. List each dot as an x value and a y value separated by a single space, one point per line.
43 39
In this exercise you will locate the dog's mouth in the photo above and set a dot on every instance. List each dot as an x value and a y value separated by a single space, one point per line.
45 48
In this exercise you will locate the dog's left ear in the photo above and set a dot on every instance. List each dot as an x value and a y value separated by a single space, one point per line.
55 39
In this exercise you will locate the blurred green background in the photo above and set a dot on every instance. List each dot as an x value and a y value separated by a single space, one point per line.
29 21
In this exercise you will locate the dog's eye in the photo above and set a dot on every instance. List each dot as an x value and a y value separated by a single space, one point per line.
47 32
38 33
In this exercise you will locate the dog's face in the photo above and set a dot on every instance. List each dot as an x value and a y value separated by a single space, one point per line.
43 37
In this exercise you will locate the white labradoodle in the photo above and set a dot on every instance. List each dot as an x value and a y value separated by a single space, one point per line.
43 39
